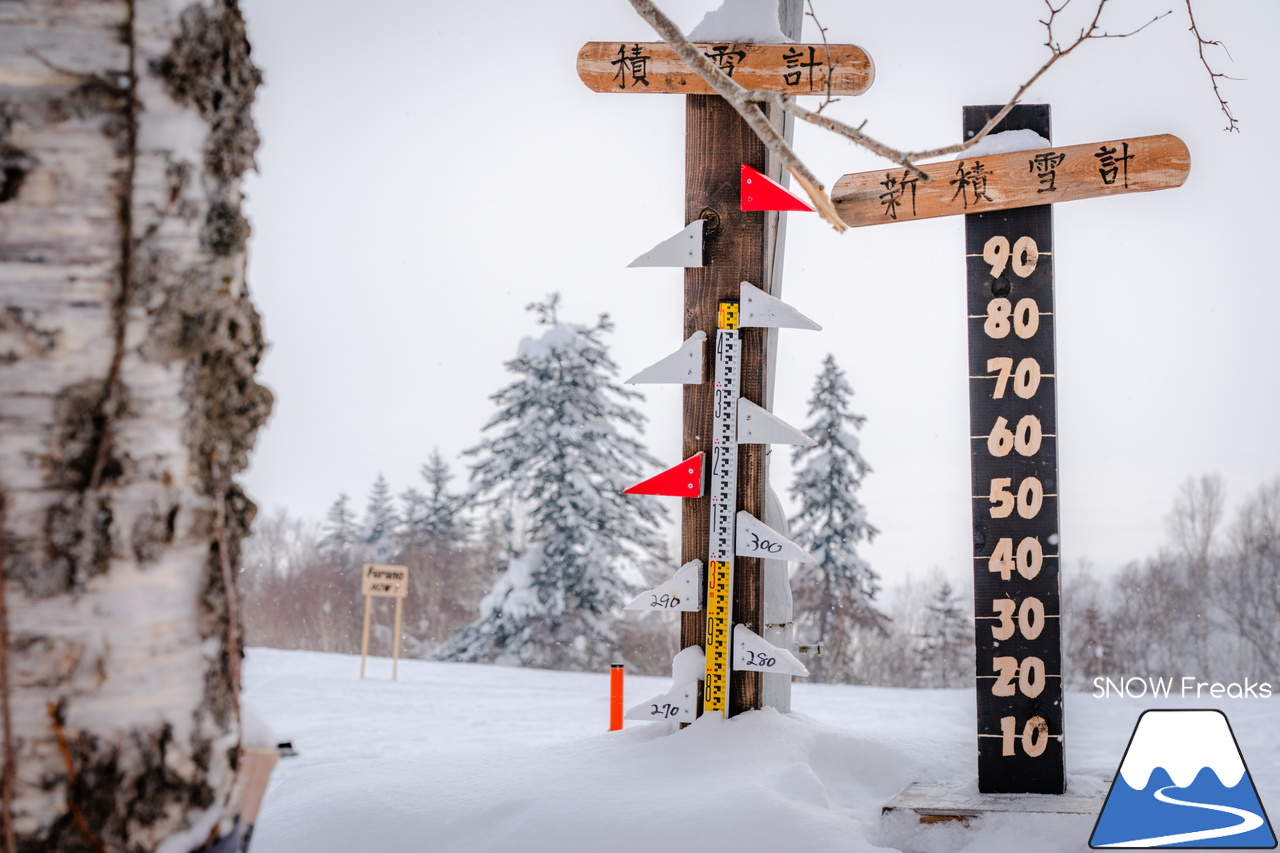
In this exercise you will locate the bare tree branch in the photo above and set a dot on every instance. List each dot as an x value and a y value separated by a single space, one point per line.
744 101
1201 42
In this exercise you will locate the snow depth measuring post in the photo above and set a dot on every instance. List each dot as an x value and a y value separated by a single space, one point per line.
733 235
1006 199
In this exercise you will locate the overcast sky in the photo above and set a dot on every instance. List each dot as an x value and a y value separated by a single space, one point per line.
428 169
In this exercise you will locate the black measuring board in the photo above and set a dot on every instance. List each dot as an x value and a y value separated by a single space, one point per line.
1014 484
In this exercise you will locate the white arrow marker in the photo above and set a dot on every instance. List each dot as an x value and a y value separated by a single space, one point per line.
678 705
751 651
757 425
682 250
757 539
760 309
682 367
682 593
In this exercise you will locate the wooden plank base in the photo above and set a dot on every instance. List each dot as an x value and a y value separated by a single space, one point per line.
938 802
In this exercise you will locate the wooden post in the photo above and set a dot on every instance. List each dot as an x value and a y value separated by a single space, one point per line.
1014 455
717 143
395 643
364 636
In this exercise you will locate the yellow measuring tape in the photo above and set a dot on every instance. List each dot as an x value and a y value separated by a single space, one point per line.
724 499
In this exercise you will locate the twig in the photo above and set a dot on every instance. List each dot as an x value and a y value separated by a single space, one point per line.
1056 52
10 759
1232 123
224 559
831 63
65 749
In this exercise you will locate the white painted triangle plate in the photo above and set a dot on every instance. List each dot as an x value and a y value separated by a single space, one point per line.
679 705
757 539
683 593
753 652
682 250
757 425
757 308
682 367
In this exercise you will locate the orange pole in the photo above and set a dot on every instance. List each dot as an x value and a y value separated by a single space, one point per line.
616 671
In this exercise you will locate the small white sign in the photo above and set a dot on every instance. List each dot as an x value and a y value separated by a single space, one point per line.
753 652
756 539
757 425
683 593
682 367
678 705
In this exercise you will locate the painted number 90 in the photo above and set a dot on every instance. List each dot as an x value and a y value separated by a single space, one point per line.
1024 255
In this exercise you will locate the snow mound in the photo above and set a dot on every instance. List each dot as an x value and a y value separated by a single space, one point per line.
1006 142
599 793
741 22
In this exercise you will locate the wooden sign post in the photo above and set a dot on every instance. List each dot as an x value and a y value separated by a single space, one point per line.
383 582
738 246
1007 202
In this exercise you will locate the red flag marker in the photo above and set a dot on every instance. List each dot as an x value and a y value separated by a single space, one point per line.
681 481
760 192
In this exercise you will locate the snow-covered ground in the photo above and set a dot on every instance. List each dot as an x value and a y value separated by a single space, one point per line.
464 757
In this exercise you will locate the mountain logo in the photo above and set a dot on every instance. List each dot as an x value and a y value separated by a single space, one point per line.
1183 783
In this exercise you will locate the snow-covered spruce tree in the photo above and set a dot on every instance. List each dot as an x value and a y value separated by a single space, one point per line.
381 523
434 519
340 529
128 352
946 644
561 456
832 595
446 578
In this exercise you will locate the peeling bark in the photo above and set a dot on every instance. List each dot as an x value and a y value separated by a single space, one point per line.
128 351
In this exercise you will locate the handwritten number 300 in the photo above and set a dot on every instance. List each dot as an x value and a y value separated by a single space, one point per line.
758 544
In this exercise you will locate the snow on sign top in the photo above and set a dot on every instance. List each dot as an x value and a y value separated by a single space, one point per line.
744 21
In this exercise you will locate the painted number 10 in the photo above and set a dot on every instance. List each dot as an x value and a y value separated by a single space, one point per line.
1035 736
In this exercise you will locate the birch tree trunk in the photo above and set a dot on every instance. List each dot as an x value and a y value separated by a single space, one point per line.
128 347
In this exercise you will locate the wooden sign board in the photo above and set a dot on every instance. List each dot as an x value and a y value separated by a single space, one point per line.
385 581
654 68
1013 180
